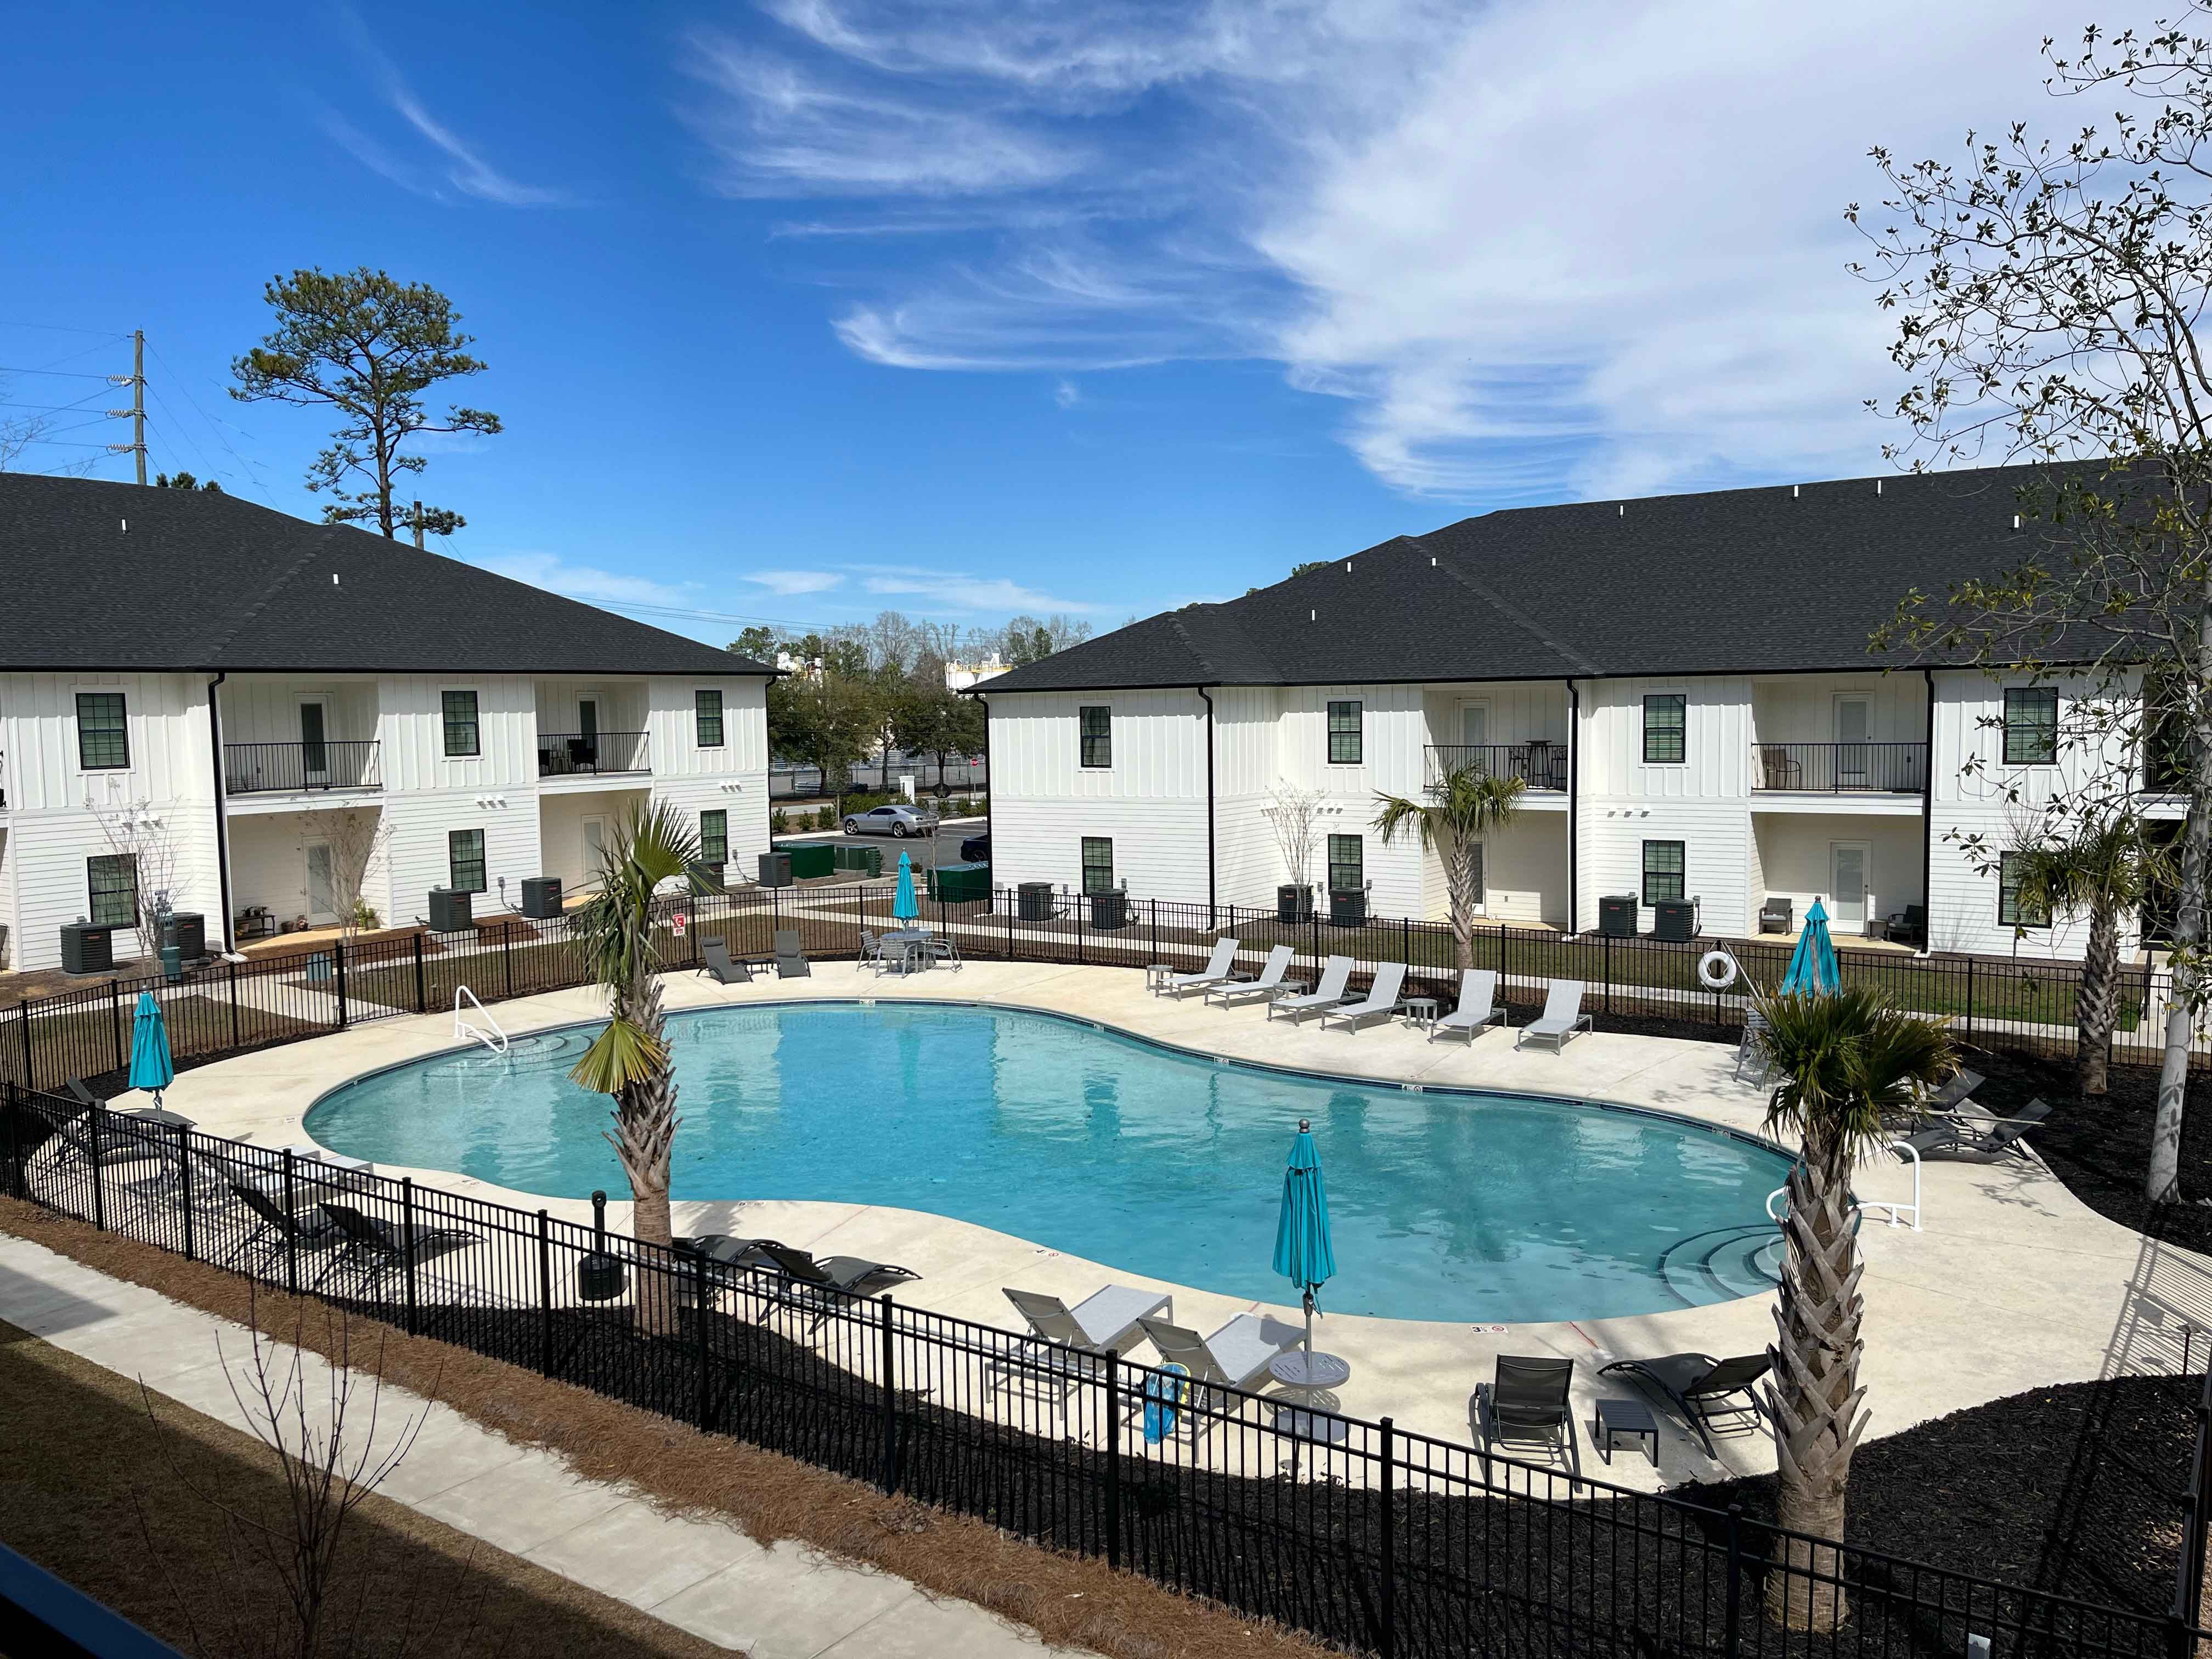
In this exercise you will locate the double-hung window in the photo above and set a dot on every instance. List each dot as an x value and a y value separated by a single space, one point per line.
465 860
1344 746
103 735
113 880
1347 864
1662 870
714 836
1098 729
1666 729
707 711
463 734
1097 864
2030 725
2013 909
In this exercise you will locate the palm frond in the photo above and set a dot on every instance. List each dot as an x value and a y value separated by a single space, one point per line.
1850 1065
620 1055
1463 803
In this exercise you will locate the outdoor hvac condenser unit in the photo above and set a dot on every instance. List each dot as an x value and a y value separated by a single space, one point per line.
1674 919
541 897
1616 915
450 910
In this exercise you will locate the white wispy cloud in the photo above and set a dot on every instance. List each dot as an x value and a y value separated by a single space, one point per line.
582 581
1532 254
471 174
962 592
796 581
1066 394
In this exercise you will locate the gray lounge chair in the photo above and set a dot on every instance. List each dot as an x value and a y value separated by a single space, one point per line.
1215 972
1562 1017
1382 999
1479 1006
790 960
1105 1322
378 1247
714 961
1234 1357
1527 1407
1704 1389
1244 988
823 1284
1335 974
1962 1140
1956 1093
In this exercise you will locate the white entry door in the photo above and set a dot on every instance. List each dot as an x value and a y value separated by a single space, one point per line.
595 846
1847 906
322 884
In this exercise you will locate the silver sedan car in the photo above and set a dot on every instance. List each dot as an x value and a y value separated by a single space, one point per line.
895 820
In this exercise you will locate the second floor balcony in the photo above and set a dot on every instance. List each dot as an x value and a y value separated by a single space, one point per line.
1539 764
1839 769
263 768
592 754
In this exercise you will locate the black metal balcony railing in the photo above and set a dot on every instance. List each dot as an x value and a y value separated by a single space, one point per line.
258 769
1840 769
1540 765
569 754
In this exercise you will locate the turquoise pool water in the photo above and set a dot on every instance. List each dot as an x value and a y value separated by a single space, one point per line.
1446 1205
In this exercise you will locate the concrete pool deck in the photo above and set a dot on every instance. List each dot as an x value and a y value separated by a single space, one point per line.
2013 1284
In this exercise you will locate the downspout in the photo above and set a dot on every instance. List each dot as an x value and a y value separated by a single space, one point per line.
221 829
1927 819
1574 800
1213 906
990 783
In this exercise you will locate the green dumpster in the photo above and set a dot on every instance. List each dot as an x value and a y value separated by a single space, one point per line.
868 860
955 884
808 859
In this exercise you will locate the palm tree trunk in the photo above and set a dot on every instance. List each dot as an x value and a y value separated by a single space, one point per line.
2096 1000
1815 1393
1459 880
645 1129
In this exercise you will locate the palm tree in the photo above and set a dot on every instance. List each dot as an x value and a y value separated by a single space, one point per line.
1850 1066
2106 867
630 1059
1451 816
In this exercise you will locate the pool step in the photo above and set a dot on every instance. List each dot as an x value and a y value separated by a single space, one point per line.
1720 1266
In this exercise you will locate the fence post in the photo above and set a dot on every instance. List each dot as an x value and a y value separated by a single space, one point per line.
422 991
1608 972
1109 1436
23 1018
99 1115
291 1233
337 960
1386 1597
2189 1587
544 1298
507 954
700 1294
1732 1633
185 1186
407 1243
233 976
890 1399
115 1020
1155 903
1970 996
1011 894
19 1184
1406 939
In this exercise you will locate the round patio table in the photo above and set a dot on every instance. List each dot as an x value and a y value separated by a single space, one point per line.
1157 974
1312 1380
1420 1010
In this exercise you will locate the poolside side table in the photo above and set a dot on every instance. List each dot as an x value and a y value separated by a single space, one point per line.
1157 974
1311 1380
1631 1416
1421 1011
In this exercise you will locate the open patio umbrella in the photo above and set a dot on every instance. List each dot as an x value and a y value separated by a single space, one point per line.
903 902
1304 1253
150 1064
1812 966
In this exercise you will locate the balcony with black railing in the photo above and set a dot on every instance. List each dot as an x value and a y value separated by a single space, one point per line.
1538 764
1839 769
264 769
591 754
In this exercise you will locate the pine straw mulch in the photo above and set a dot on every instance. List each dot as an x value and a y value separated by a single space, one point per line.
1066 1599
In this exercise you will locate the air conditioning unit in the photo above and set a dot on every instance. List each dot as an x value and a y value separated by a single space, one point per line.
1617 916
541 897
1675 920
451 911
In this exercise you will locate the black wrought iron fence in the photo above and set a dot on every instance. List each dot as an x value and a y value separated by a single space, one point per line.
1365 1534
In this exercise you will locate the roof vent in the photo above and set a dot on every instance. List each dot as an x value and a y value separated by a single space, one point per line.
334 579
1793 492
1433 562
1313 615
125 523
1877 486
2015 524
1624 509
1347 566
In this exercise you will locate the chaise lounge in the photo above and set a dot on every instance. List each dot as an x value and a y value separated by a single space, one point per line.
1961 1139
1563 1016
1703 1388
1335 974
1478 1006
1239 989
1382 999
1215 971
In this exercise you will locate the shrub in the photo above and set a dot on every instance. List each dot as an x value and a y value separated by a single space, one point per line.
779 824
826 819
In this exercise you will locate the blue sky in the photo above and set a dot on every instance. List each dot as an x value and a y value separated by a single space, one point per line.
804 309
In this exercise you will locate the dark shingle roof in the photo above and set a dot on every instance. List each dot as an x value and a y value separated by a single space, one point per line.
1736 581
199 580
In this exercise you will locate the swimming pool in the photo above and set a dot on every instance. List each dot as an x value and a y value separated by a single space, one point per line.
1445 1205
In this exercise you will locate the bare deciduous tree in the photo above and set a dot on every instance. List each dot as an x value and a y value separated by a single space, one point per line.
357 840
1290 811
134 830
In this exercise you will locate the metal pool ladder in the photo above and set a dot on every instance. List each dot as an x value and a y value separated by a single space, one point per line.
489 1033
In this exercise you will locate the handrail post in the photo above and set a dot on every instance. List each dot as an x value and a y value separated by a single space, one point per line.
1386 1595
1110 1437
1732 1634
544 1298
407 1247
890 1479
291 1230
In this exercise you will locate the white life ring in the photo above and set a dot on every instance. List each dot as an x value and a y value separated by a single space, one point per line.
1717 971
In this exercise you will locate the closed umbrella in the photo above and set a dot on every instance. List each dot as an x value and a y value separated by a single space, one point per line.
903 902
1813 969
150 1064
1304 1253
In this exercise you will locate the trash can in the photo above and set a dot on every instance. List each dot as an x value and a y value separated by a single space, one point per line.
1109 912
1293 902
1347 907
775 869
1033 900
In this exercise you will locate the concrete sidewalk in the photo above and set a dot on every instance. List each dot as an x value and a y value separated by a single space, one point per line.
779 1602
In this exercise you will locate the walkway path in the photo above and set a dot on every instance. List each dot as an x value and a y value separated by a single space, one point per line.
778 1601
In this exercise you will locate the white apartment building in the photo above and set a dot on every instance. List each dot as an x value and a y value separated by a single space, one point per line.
245 698
1683 683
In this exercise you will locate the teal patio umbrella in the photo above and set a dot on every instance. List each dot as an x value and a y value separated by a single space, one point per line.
903 902
150 1066
1304 1253
1812 966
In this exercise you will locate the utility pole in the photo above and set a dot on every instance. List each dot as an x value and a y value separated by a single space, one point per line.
418 524
138 410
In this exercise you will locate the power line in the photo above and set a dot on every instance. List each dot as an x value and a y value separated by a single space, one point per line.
214 426
63 328
67 374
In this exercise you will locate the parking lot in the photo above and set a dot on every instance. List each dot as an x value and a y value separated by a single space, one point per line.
950 834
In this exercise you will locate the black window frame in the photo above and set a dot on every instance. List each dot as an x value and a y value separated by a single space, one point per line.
96 734
96 890
2009 905
455 863
1104 874
1678 732
707 713
1356 732
457 721
1333 862
1679 875
1100 757
2046 696
714 844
